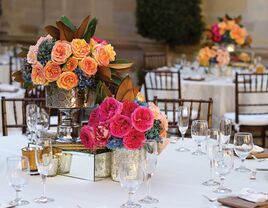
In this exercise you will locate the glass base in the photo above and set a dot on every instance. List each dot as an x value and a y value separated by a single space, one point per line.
222 190
149 200
198 153
210 182
19 202
243 169
43 200
130 205
182 149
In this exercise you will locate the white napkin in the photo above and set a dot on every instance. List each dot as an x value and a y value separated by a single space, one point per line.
7 87
252 195
256 149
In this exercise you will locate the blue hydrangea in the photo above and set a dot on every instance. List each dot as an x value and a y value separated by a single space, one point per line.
141 103
114 143
84 81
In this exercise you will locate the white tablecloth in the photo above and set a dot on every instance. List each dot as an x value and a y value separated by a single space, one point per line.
177 182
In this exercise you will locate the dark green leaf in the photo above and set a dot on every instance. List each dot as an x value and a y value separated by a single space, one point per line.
67 22
90 29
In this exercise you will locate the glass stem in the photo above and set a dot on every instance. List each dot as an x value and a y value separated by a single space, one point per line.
44 177
221 182
242 162
199 148
211 169
130 197
149 176
182 140
17 195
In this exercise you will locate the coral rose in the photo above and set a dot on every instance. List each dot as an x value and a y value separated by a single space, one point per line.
67 80
32 55
101 55
70 65
94 117
109 108
223 57
52 71
134 140
89 66
111 52
163 125
238 34
80 48
120 126
128 108
155 110
142 119
38 76
61 51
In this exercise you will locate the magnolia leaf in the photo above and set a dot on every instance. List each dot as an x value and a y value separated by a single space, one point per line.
66 21
136 90
53 31
238 19
65 32
121 66
129 96
22 54
90 29
121 70
105 74
123 88
102 92
18 76
82 28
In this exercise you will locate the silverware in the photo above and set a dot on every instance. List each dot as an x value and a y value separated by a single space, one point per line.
262 169
211 199
258 159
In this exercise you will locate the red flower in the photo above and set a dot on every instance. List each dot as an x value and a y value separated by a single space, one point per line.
120 126
109 108
94 117
102 135
134 140
142 119
87 137
128 108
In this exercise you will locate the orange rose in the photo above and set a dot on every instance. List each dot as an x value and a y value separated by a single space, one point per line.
80 48
101 55
38 76
52 71
111 52
67 80
61 51
238 34
88 66
70 65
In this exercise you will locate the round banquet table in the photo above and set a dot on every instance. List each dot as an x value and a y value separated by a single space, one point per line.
176 183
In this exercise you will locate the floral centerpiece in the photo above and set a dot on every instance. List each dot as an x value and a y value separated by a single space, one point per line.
229 31
124 126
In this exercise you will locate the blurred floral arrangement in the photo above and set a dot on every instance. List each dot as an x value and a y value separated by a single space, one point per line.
241 57
228 31
213 55
70 57
126 124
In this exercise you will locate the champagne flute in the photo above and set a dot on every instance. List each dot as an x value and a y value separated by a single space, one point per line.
223 165
42 122
31 119
183 122
43 157
225 128
212 146
243 144
149 167
199 132
18 172
131 177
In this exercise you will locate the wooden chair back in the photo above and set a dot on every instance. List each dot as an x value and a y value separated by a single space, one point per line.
162 81
153 60
37 92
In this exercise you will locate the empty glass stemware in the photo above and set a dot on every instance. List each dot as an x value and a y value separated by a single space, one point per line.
199 132
131 177
183 122
243 144
223 165
150 161
43 157
225 129
18 172
212 147
42 122
31 119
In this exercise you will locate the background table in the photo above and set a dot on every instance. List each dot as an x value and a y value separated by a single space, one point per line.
177 182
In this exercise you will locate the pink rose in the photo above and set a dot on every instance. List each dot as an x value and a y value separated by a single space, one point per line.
142 119
109 108
215 30
134 140
128 108
94 117
32 55
216 38
87 137
98 40
61 51
120 126
102 135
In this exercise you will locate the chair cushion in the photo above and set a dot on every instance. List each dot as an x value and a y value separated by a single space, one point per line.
249 120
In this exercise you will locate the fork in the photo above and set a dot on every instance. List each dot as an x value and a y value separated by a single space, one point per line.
259 160
210 198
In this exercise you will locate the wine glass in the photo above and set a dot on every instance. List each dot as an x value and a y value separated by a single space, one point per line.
199 132
225 128
131 177
149 167
212 146
31 118
183 122
243 144
223 165
43 157
18 172
42 122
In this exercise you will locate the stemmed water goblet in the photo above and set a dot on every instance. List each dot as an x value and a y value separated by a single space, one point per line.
223 165
31 119
43 157
18 172
225 130
131 177
199 132
243 144
42 122
212 147
149 166
183 122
